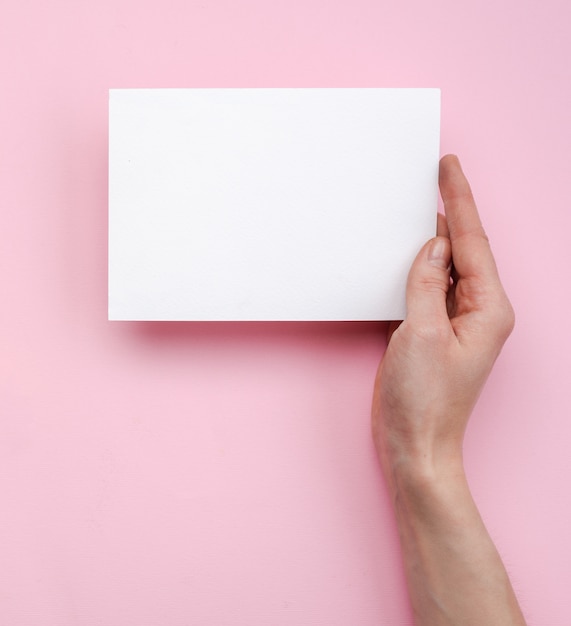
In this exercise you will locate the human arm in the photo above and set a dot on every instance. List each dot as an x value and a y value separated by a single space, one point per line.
435 365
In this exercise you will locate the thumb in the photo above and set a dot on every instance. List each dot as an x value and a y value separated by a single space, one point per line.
429 281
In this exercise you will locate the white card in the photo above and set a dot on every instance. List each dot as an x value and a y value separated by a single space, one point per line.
268 204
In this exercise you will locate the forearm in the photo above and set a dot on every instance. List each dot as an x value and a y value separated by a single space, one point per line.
454 573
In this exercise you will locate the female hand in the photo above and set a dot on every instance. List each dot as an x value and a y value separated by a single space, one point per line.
438 358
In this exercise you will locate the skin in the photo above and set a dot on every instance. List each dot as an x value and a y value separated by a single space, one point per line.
433 370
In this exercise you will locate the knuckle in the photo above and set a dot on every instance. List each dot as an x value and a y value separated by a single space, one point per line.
503 319
508 320
483 235
433 283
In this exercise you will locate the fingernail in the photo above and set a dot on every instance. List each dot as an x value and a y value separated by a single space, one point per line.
437 254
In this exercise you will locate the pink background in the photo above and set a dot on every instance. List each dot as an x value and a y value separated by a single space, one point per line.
178 474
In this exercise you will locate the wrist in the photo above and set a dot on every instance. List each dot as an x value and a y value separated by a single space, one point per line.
423 478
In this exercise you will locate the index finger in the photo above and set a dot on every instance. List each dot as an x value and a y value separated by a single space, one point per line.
471 252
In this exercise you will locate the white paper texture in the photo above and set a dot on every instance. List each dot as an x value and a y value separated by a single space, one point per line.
268 204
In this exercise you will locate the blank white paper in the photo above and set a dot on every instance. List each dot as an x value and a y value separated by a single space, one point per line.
268 204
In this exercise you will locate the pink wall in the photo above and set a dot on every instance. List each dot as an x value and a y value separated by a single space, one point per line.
192 474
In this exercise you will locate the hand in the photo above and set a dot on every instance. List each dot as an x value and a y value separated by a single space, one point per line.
438 358
436 362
